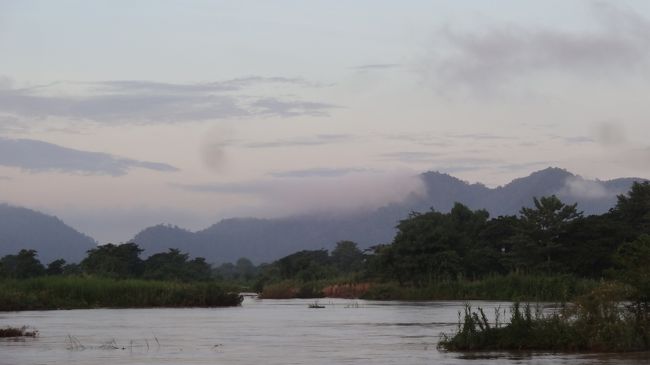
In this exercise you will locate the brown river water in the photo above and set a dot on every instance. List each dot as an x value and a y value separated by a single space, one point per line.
263 332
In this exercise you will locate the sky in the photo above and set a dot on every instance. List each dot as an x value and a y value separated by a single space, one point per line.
117 115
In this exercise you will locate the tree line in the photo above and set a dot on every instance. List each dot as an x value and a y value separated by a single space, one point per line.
112 261
551 237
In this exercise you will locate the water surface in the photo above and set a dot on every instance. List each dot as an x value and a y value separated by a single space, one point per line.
263 332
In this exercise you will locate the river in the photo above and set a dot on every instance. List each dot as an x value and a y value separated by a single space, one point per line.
263 332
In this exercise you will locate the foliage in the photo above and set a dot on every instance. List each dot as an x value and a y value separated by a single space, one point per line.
513 287
176 266
633 269
242 271
56 292
597 322
115 261
22 265
541 230
548 252
347 257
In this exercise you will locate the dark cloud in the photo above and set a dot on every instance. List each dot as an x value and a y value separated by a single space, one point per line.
317 172
319 139
489 59
146 102
38 156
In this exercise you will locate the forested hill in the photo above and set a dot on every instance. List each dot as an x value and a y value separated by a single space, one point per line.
22 228
263 240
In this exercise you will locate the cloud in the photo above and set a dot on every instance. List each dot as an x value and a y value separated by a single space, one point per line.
579 139
526 166
346 192
5 178
5 82
586 189
317 140
377 67
480 136
317 172
38 156
610 134
408 156
147 102
9 124
283 108
492 57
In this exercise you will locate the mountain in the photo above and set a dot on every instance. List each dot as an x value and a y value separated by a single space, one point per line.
22 228
264 240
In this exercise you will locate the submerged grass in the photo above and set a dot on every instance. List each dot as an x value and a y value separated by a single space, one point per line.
595 322
92 292
17 332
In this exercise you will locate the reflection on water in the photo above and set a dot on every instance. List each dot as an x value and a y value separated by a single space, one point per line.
264 332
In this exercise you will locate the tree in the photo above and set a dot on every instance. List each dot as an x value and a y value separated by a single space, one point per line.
116 261
166 266
55 267
347 257
22 265
632 261
542 227
245 269
434 245
634 208
174 265
306 265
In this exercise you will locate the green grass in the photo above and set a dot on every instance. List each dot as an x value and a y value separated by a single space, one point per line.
596 322
91 292
511 287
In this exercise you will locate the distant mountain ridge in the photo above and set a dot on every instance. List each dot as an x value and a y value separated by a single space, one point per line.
22 228
263 240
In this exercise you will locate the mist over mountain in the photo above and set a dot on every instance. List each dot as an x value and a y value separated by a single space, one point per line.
22 228
263 240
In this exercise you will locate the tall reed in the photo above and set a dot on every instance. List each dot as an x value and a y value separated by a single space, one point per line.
92 292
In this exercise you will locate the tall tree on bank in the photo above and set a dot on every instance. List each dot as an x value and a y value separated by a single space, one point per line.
116 261
22 265
541 230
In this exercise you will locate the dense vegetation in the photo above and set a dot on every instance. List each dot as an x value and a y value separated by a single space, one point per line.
94 292
111 276
612 317
550 251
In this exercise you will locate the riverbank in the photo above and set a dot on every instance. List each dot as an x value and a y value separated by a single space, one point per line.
90 292
513 287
